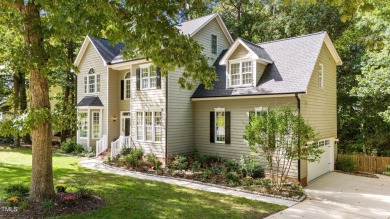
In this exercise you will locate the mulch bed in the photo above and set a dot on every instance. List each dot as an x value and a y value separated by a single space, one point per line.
37 210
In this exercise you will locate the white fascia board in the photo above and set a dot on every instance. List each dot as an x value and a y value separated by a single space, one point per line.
225 58
89 107
244 97
332 49
81 53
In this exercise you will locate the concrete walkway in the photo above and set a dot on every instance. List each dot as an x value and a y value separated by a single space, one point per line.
338 196
96 164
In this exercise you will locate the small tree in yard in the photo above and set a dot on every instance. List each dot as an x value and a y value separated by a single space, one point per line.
281 136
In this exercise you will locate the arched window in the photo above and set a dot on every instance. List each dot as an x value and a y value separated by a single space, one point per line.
127 84
92 82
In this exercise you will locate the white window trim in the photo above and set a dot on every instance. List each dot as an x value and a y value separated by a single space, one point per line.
142 126
215 124
216 44
125 80
87 131
261 109
153 127
229 76
99 123
96 83
148 77
321 76
122 121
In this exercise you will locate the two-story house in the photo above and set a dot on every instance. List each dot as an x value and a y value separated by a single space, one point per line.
122 102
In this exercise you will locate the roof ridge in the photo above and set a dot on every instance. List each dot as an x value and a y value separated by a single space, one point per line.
197 18
291 38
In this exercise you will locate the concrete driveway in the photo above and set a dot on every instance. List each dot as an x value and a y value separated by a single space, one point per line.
337 195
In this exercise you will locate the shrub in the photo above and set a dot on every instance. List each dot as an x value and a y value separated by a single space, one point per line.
68 146
9 139
195 166
233 165
386 169
151 159
232 177
24 204
253 169
79 149
133 159
247 181
17 190
61 188
125 151
207 160
180 162
346 164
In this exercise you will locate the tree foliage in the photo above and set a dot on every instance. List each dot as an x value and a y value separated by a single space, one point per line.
281 136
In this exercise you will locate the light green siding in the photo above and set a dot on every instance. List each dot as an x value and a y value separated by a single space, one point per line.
239 110
92 59
203 37
319 105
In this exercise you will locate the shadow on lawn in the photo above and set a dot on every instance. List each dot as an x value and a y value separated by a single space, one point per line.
128 197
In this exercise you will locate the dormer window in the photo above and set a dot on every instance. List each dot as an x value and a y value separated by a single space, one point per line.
240 73
92 82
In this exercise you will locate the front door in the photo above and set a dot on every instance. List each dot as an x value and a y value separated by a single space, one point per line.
125 123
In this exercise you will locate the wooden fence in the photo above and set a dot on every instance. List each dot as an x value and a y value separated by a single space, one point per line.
368 163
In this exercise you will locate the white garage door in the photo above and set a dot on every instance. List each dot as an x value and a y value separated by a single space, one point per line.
326 162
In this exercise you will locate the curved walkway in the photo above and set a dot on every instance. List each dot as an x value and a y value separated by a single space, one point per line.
96 164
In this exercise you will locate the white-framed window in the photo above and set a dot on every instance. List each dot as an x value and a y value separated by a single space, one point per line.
258 110
219 125
140 125
83 125
157 126
95 125
214 44
127 84
240 73
148 77
149 126
92 82
321 76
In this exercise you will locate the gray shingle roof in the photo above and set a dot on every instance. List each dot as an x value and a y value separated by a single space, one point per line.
294 60
106 50
90 101
112 53
189 27
258 50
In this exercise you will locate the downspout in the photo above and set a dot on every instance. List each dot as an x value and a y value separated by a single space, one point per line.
299 147
166 118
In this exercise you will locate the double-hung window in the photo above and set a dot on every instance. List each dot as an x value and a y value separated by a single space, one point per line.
127 86
95 125
148 77
149 126
92 82
83 125
140 125
214 44
240 73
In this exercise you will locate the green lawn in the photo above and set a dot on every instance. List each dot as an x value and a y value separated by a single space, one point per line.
134 198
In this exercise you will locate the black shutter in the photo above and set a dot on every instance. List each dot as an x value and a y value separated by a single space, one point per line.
227 127
122 89
138 74
251 115
158 72
212 127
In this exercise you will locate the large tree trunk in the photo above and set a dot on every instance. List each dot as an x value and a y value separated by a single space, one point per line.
42 174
